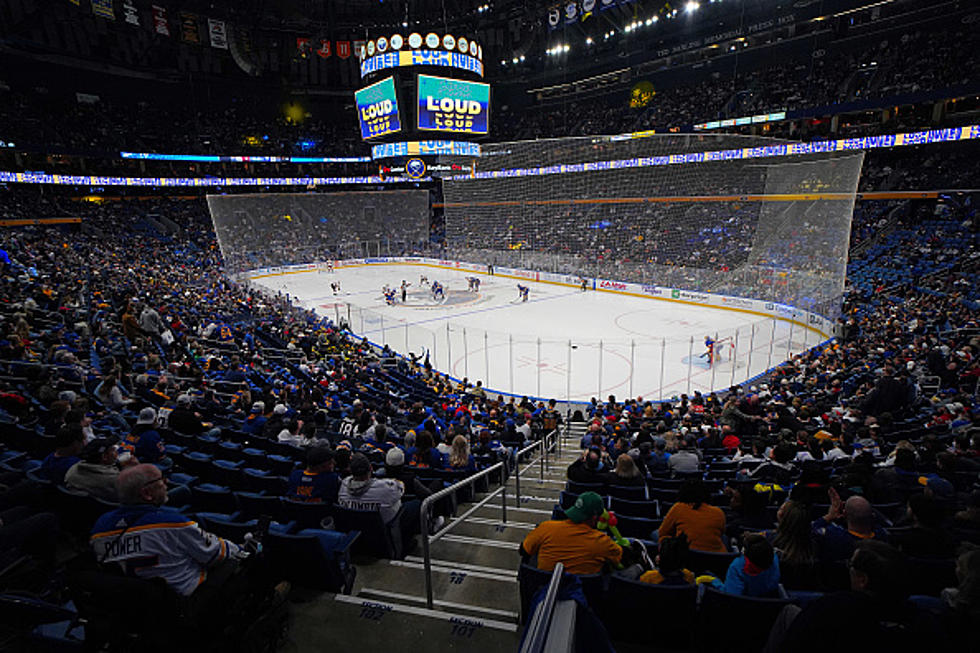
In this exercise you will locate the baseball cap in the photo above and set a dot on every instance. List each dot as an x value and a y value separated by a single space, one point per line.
318 456
147 416
359 465
184 400
586 506
93 451
258 407
395 457
280 409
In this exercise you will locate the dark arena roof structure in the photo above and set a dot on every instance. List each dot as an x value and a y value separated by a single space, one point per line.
473 325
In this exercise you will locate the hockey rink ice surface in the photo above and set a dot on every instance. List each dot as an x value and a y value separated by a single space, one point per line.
562 343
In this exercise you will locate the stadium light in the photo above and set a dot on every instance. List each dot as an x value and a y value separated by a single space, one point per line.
588 41
691 7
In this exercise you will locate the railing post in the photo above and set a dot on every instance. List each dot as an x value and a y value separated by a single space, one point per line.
517 479
449 351
663 360
466 356
539 368
714 362
748 373
735 361
632 365
503 500
486 359
772 343
424 526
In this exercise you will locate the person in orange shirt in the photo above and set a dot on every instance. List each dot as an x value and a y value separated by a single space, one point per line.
574 541
692 515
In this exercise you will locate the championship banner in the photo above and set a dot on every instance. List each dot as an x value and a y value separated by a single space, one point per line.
377 109
103 8
554 17
343 49
77 3
188 28
359 49
324 51
571 11
130 13
160 25
302 46
219 37
453 105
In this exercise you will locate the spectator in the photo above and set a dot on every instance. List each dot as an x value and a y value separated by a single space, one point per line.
460 458
254 424
873 614
671 560
361 491
144 441
626 473
755 573
97 471
835 542
573 541
793 541
425 455
926 537
193 562
683 460
589 468
692 515
68 445
318 482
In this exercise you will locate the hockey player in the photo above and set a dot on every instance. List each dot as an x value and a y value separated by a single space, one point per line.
709 346
389 294
522 292
404 288
438 292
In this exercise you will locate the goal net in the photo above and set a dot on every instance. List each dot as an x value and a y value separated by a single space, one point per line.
275 229
655 210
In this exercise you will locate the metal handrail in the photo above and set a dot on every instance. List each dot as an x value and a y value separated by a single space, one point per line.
427 505
537 630
543 459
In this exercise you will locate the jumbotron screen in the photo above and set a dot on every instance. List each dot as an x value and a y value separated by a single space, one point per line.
453 105
377 109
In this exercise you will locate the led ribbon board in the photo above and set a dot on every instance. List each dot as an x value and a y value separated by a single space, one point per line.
414 148
245 158
377 109
407 58
931 136
452 105
207 182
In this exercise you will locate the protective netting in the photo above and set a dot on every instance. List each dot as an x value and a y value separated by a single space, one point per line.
767 227
273 229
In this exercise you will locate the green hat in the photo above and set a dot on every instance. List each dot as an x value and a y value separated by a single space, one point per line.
588 505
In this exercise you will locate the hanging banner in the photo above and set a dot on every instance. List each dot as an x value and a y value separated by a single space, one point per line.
302 46
130 13
324 51
554 17
343 49
103 8
219 37
160 25
188 28
359 49
571 12
77 3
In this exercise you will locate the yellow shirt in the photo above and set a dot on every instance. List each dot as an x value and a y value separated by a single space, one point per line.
703 527
581 548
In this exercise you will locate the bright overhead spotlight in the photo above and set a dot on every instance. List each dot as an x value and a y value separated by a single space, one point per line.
522 57
514 60
691 7
588 41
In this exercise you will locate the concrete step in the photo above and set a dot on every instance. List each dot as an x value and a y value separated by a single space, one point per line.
476 551
513 531
488 591
338 622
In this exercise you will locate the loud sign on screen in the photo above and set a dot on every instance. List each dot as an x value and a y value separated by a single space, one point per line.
453 105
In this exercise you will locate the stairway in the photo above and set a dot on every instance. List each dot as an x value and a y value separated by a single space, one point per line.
474 579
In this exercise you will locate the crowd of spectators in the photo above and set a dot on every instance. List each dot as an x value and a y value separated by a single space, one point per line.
892 66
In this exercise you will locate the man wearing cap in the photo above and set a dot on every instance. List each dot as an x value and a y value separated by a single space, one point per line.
184 419
318 483
360 491
574 541
97 471
144 441
254 424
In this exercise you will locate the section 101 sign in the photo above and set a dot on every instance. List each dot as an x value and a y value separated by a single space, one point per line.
452 105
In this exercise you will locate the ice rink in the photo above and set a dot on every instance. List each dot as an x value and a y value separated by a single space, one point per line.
562 342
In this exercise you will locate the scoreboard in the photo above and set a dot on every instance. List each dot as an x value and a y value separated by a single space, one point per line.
438 79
